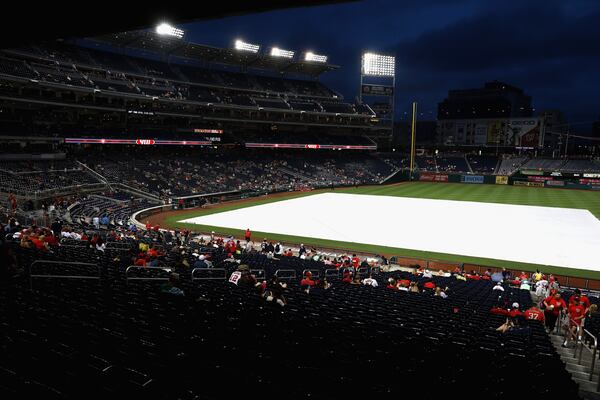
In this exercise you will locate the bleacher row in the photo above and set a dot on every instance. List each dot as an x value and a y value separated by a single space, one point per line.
76 338
186 172
94 69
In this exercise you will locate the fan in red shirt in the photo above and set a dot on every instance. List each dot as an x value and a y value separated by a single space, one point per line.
583 299
148 226
392 284
248 234
347 277
535 314
429 285
554 304
355 261
576 314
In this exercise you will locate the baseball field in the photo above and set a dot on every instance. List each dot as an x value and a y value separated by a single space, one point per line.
494 225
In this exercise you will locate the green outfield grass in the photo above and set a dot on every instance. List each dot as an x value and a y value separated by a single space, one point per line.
562 198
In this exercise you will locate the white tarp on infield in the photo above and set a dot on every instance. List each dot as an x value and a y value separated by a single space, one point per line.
540 235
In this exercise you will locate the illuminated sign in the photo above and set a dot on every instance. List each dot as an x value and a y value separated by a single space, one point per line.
309 146
210 131
141 142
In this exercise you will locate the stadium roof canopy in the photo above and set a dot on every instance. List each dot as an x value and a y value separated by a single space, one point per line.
32 23
149 40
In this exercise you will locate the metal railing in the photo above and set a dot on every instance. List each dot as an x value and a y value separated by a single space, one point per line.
590 343
285 274
60 276
149 270
207 274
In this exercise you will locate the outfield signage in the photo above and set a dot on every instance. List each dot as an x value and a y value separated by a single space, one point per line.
593 182
431 177
591 175
527 183
536 178
555 183
471 178
501 180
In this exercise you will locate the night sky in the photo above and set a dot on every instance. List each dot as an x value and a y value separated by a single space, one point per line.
549 48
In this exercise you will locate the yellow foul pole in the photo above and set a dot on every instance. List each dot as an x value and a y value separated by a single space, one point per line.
412 139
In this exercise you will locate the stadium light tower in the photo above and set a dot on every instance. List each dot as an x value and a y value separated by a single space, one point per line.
277 52
169 30
310 56
380 71
243 46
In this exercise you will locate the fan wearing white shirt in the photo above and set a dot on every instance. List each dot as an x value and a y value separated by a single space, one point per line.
370 282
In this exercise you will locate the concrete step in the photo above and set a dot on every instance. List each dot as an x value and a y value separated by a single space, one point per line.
586 385
573 366
573 360
584 376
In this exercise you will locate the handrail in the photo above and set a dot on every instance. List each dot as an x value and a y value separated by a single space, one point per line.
207 278
291 271
593 350
137 267
315 272
36 262
569 334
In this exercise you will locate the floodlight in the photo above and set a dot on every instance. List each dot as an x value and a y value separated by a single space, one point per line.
277 52
310 56
240 45
378 65
168 30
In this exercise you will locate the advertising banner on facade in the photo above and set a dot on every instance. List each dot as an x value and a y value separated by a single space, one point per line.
501 180
527 183
377 90
471 178
431 177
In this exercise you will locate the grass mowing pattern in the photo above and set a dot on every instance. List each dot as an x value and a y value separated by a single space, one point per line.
547 197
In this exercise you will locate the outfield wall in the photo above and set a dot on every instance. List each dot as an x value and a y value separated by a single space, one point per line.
517 180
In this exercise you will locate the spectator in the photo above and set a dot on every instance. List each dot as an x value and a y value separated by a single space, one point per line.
414 288
439 292
370 281
248 235
553 305
172 286
576 314
274 291
535 314
498 286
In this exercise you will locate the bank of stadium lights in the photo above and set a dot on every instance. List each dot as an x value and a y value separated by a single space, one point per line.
169 30
378 65
277 52
310 56
243 46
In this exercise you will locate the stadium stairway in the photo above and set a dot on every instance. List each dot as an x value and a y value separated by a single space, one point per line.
579 370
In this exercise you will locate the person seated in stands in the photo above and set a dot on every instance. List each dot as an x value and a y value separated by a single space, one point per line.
439 292
200 262
473 276
347 277
498 286
172 286
288 253
307 282
505 275
100 245
429 285
403 285
514 311
534 314
274 291
356 280
509 324
323 284
461 277
414 288
392 284
488 273
370 281
525 285
427 274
